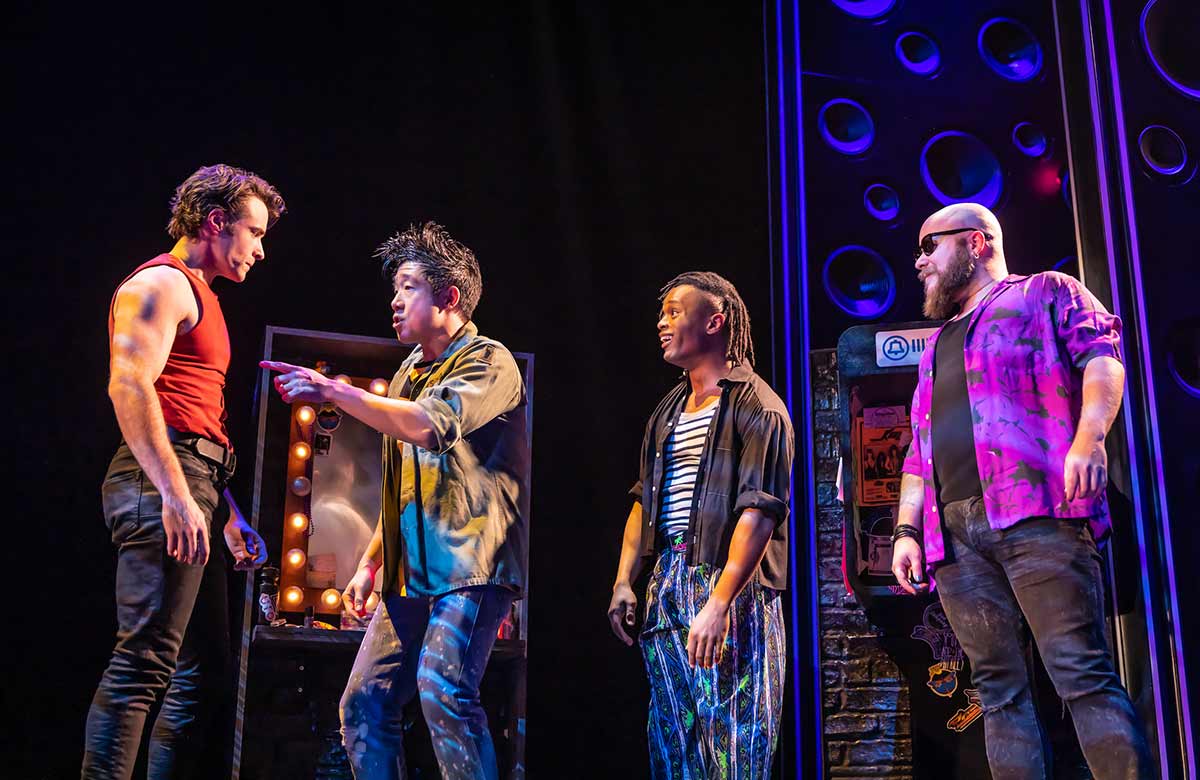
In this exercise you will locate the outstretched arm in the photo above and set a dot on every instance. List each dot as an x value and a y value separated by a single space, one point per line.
395 417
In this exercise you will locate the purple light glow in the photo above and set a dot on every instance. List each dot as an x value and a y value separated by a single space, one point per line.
957 167
1162 150
881 202
1168 32
918 53
846 126
1155 443
859 281
865 9
1030 139
1010 49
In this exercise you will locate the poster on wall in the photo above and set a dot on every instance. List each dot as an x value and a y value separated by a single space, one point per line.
880 437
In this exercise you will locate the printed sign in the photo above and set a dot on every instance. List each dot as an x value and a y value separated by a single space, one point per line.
901 347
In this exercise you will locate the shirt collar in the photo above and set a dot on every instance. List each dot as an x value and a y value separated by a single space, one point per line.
739 374
464 334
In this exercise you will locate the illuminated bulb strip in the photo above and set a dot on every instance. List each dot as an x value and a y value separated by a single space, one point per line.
342 378
379 387
301 451
331 598
372 601
298 521
305 414
296 557
293 595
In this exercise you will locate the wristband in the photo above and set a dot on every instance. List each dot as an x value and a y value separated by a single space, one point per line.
904 530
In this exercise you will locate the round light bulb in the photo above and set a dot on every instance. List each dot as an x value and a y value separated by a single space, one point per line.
342 378
296 557
299 521
331 597
379 387
301 451
305 414
372 601
301 486
293 595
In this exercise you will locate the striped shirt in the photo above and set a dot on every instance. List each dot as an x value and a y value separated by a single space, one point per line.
682 454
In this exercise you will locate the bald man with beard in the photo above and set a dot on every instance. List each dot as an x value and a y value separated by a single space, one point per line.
1003 490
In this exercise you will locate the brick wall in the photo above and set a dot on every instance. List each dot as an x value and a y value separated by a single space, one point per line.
865 700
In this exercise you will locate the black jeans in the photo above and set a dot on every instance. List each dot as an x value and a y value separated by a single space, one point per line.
172 629
1041 576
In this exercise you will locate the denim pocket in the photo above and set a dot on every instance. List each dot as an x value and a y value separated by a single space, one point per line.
121 498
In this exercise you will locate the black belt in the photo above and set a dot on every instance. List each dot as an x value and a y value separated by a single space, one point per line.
217 454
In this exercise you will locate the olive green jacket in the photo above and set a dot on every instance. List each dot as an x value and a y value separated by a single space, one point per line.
457 514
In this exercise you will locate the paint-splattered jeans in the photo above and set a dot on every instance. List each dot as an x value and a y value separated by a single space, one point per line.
1041 576
172 630
442 656
721 722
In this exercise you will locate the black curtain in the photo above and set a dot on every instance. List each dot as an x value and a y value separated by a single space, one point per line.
586 154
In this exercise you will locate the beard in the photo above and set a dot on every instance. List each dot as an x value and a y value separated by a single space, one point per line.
939 301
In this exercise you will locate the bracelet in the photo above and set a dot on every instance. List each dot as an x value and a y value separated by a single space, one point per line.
906 531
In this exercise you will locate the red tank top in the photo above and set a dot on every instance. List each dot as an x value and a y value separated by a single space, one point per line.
191 388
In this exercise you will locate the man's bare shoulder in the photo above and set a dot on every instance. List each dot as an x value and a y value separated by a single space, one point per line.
160 289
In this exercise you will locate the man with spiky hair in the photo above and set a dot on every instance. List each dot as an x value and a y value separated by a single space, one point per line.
711 507
169 354
454 526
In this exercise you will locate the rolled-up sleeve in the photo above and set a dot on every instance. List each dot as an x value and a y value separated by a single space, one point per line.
484 384
1085 328
765 467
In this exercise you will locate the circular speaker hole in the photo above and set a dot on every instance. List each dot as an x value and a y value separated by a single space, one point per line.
1162 150
1170 29
1183 355
881 202
859 281
865 9
1009 48
846 126
1030 139
958 167
918 53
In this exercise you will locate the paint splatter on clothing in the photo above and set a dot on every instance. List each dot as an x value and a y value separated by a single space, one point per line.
1024 352
721 722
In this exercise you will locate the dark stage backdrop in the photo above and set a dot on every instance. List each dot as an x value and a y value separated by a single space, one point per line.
586 155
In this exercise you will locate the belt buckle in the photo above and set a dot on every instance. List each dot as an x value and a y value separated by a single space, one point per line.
215 453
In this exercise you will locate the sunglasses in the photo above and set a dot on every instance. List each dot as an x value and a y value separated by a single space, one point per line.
928 245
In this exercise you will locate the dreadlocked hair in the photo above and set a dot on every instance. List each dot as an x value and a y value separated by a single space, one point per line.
444 262
739 348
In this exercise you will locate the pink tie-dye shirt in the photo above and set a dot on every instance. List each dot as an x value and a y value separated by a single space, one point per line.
1024 353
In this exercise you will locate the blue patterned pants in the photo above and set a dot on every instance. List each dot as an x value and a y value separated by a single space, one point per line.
441 657
720 722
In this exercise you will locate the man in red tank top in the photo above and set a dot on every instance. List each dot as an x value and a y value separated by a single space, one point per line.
169 354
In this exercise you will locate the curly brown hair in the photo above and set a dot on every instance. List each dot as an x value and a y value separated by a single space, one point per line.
444 262
219 187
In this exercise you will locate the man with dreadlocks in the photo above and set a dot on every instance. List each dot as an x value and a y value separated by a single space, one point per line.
711 505
454 525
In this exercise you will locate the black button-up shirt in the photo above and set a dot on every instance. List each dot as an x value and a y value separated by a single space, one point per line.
747 464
